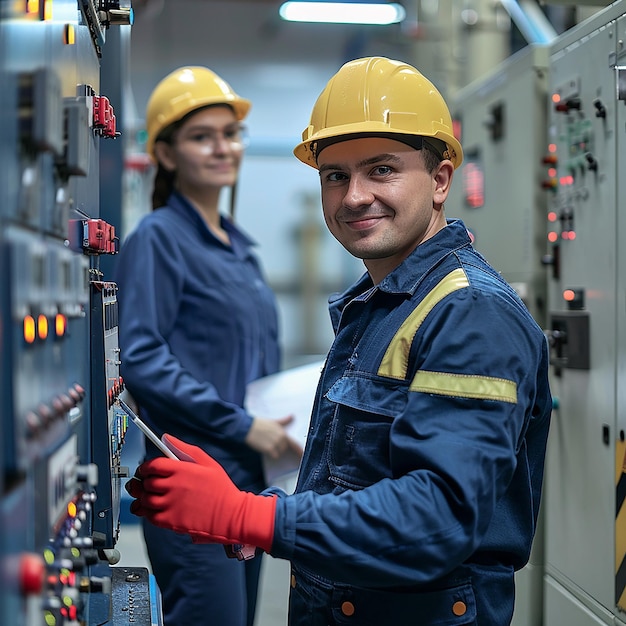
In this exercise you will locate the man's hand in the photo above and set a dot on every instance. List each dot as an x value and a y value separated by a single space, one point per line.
269 437
200 499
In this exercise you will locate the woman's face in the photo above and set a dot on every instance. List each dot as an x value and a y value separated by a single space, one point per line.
205 152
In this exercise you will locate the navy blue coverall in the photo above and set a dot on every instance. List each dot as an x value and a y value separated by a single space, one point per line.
419 489
197 323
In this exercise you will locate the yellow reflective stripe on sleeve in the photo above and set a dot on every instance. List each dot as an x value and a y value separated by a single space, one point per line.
465 386
395 363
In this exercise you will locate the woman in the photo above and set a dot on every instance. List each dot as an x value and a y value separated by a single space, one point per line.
198 323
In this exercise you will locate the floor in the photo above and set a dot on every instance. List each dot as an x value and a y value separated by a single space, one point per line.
274 591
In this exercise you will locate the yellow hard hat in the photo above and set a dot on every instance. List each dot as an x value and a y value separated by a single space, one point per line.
183 91
373 96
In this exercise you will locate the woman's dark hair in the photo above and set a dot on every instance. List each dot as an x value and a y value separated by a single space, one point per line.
162 187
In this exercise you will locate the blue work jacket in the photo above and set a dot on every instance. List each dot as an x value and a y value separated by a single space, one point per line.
197 323
419 489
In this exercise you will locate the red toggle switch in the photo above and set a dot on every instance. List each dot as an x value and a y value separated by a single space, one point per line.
104 117
99 237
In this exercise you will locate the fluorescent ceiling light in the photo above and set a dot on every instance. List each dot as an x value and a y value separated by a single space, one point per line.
342 12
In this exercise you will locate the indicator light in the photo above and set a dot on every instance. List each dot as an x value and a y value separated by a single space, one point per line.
48 556
552 217
42 327
575 298
550 183
60 324
69 35
29 329
552 237
71 509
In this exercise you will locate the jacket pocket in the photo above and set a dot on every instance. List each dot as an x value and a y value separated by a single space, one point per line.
365 408
453 606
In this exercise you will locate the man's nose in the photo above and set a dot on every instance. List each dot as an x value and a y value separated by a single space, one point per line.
358 193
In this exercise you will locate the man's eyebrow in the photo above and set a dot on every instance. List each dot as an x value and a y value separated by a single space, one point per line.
385 157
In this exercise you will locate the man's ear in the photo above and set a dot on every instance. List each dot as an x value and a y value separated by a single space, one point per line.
163 153
442 179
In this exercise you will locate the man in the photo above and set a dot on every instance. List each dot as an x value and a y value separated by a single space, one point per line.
419 489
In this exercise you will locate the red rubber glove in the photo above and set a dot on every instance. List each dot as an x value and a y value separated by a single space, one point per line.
200 499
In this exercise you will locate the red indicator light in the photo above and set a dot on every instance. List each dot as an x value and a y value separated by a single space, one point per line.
556 98
572 235
569 295
29 329
552 172
552 147
42 327
473 185
552 237
552 217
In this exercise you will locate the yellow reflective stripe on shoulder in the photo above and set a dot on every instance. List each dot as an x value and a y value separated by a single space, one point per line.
395 363
465 386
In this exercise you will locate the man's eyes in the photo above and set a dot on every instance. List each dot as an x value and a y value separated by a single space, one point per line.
335 176
378 170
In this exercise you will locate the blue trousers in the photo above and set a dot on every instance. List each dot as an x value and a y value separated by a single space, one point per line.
200 586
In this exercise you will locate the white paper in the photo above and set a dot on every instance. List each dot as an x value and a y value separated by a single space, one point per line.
290 392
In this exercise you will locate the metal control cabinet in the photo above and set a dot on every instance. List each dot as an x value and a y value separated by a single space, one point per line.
62 433
584 510
497 192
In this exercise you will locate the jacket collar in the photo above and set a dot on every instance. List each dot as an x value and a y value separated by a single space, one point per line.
181 206
408 275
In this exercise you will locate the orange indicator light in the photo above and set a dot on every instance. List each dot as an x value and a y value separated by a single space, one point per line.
29 329
42 326
60 324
